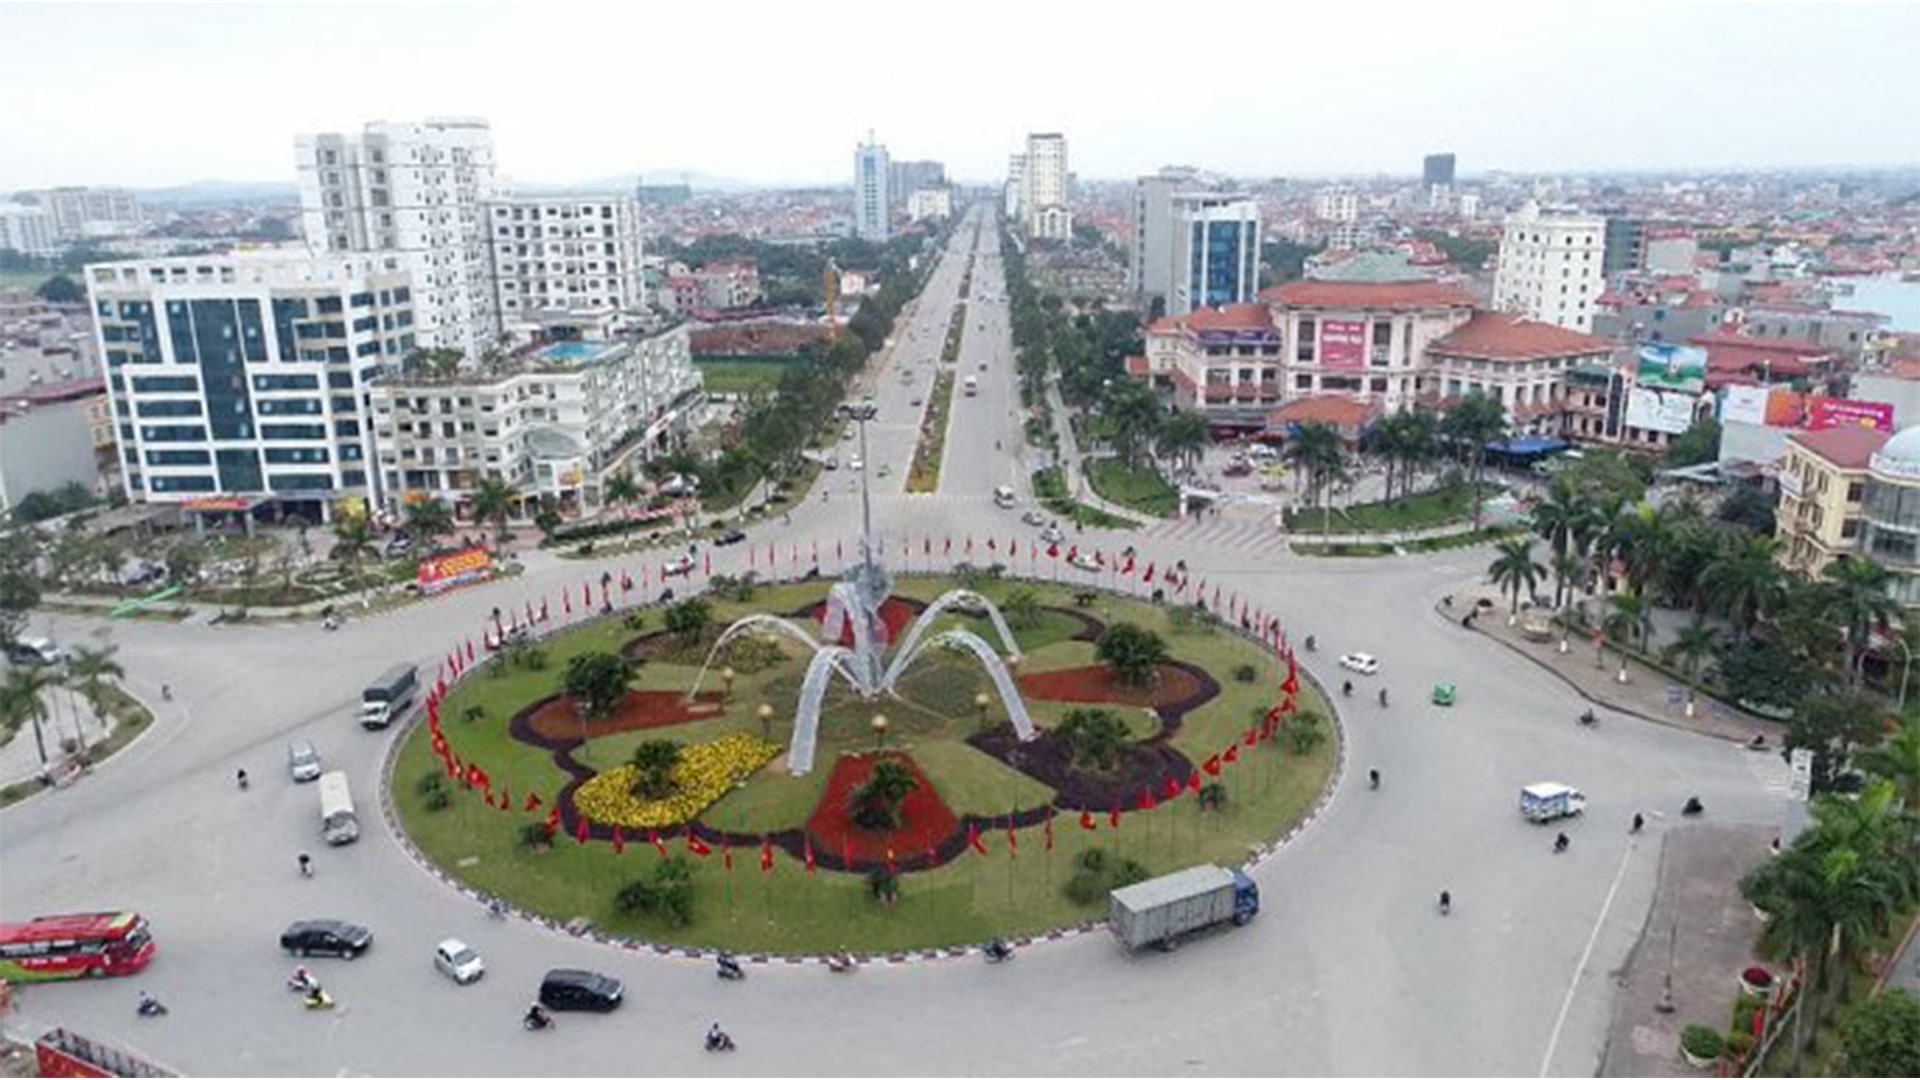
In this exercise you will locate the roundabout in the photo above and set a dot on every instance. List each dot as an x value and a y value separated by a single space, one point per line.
983 792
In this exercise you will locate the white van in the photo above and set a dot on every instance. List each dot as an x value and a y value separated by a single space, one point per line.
1003 497
37 651
338 825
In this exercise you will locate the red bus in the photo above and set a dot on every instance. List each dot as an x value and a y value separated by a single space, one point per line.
72 946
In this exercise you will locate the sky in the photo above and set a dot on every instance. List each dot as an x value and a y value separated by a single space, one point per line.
155 94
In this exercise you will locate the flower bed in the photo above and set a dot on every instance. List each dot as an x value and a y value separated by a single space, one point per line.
705 773
895 614
925 820
554 720
1179 689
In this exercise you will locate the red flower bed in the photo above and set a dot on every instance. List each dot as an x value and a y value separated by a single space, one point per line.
554 719
895 614
1178 685
925 820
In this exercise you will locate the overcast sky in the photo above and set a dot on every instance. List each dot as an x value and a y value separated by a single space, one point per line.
157 94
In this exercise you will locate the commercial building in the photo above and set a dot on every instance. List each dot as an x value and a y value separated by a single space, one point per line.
51 435
81 213
906 177
417 193
1519 363
1626 246
1016 189
247 376
872 204
1150 267
1670 251
1336 204
930 204
1225 362
1890 518
1823 485
565 252
1215 250
1436 171
1550 266
28 230
553 421
1044 200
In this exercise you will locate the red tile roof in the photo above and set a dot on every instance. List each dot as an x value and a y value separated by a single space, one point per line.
1136 365
1846 446
1229 317
1338 410
1368 294
1794 346
1492 335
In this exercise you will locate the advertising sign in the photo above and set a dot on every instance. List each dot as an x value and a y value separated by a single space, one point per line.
1840 412
1651 410
1672 367
1343 343
1743 405
442 572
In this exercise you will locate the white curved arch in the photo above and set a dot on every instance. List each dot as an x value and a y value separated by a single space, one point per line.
741 626
934 610
813 690
996 670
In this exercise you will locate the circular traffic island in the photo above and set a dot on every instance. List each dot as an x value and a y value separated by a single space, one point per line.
781 769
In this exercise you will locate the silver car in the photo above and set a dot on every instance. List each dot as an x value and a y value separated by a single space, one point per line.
457 961
303 761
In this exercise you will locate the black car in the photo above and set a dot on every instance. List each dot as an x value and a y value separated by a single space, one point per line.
311 937
729 538
570 989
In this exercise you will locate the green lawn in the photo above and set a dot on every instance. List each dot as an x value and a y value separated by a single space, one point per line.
1139 489
969 899
741 376
1050 490
1421 511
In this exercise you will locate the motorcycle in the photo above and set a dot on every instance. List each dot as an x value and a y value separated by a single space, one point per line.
726 967
1589 719
150 1006
537 1019
241 779
997 951
1311 644
1693 807
317 998
719 1042
841 964
1383 697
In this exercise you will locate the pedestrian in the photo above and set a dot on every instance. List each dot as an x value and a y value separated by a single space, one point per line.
1560 843
1639 822
306 864
1446 902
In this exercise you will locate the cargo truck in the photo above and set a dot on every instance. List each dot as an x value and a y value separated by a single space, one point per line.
1548 801
388 698
1163 910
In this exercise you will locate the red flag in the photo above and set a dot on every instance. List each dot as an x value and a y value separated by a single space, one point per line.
893 868
1013 839
1232 756
605 591
506 797
1049 828
1216 594
706 564
533 802
1148 576
586 596
469 650
973 839
992 545
697 846
1013 549
969 545
488 799
619 842
580 829
1193 781
1171 790
1053 551
566 602
946 546
1212 766
626 582
806 847
926 545
839 552
1146 800
553 817
545 614
1127 570
1252 736
726 852
1086 820
1100 559
653 837
766 854
1113 818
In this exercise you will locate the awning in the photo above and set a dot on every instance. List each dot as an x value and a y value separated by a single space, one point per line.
1527 444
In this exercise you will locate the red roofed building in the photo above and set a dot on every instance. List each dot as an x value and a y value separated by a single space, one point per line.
1222 361
1344 414
1823 486
1521 363
1735 357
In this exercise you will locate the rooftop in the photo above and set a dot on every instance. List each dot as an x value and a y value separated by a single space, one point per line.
1359 294
1492 335
1203 320
1335 410
1846 446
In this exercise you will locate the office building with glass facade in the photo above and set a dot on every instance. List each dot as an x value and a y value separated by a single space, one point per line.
248 375
1216 251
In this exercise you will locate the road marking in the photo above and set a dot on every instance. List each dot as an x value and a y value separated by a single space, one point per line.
1573 986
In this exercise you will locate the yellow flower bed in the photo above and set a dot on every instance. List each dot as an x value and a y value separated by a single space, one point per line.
706 772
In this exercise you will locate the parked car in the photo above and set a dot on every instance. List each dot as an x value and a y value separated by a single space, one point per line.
1238 467
1052 534
730 538
330 937
1034 517
36 651
457 961
303 761
571 989
1360 662
677 566
856 464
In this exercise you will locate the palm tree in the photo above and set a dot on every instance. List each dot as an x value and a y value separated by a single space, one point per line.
90 670
1632 618
621 489
1693 643
1746 581
1388 439
1856 597
352 541
1898 760
1132 652
1563 514
23 700
1472 423
1316 450
1183 436
493 501
1419 443
1567 568
1021 608
1133 419
428 519
1514 570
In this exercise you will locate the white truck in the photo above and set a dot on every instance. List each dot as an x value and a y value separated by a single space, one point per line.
338 825
1163 910
1550 801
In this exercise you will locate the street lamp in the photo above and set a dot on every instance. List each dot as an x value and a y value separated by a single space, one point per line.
879 724
1905 670
980 702
765 713
860 414
726 680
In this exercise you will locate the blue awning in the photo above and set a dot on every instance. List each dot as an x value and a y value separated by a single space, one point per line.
1528 444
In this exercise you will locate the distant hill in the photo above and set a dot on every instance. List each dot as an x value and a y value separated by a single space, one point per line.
221 193
693 178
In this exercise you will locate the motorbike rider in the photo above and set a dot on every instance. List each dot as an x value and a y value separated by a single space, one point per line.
302 979
1373 779
1346 688
537 1016
1560 843
306 864
1446 902
1639 823
1383 695
729 967
149 1005
240 777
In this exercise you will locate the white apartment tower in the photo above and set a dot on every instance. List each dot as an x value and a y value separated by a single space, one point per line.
418 192
1336 204
871 201
565 253
1016 189
1215 250
1550 267
1044 200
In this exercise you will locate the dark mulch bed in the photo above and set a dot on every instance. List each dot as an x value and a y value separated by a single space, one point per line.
1177 690
925 823
552 720
1143 767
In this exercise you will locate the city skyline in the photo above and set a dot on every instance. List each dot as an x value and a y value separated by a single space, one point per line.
1720 107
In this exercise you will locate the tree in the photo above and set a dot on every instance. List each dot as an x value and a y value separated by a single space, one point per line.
1022 609
1305 732
1832 725
1514 571
1694 642
1749 508
1631 618
22 700
622 489
1317 451
1897 760
1133 419
1183 437
1097 737
689 620
19 588
352 541
655 760
1472 423
1881 1036
1566 513
1746 581
667 892
1133 653
493 500
1567 569
428 520
1857 597
597 682
433 363
61 289
877 802
90 670
185 557
1697 445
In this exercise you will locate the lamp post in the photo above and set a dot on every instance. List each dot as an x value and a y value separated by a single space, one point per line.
879 723
1905 670
860 414
765 713
980 702
726 681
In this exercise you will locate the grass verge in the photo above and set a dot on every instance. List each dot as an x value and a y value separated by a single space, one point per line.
1137 489
924 477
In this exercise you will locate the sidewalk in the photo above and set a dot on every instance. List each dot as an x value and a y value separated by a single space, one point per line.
1073 462
1647 693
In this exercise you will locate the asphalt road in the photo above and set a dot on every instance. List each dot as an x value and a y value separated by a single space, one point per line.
1349 970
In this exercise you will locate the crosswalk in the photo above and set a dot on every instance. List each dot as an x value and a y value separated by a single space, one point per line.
1248 535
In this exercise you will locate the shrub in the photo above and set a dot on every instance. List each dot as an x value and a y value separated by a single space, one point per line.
883 886
668 893
1245 673
1128 873
1085 887
656 759
1097 736
473 712
1701 1041
535 834
431 782
1305 732
438 799
534 660
1093 859
635 621
1213 796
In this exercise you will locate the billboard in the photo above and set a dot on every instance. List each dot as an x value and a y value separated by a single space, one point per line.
1766 406
1652 410
1672 367
1343 343
441 572
1840 412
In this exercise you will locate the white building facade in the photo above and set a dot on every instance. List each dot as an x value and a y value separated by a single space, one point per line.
418 192
565 253
248 375
1336 204
83 212
1016 189
930 204
1215 250
871 199
28 230
1044 197
1550 266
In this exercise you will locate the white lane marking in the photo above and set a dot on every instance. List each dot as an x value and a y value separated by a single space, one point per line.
1573 986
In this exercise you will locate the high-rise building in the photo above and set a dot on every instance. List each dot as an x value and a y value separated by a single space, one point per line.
1336 204
1044 201
1216 250
28 230
81 212
1150 270
1016 191
416 192
565 252
1550 268
906 177
872 206
1437 171
247 375
1626 244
